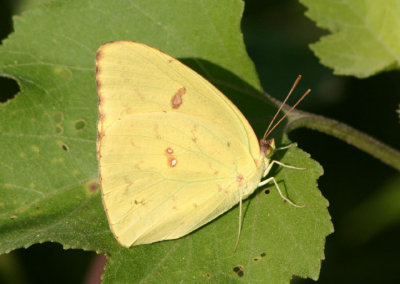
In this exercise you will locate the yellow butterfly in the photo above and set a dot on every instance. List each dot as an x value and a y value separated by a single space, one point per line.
174 152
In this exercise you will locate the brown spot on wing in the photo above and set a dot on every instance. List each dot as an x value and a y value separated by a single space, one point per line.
138 165
239 179
172 162
176 100
171 159
99 54
100 135
157 132
194 135
101 100
98 83
141 202
128 184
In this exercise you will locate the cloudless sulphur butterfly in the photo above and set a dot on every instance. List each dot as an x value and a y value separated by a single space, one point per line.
174 153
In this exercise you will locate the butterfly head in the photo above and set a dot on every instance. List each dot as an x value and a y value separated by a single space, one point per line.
267 147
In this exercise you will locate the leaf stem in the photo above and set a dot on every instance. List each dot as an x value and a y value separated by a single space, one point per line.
362 141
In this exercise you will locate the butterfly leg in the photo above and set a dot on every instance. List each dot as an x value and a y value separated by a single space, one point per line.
240 222
264 182
285 147
267 170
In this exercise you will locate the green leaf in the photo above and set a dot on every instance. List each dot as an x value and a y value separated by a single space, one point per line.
365 35
48 178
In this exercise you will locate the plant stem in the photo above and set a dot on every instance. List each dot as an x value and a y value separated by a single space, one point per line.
362 141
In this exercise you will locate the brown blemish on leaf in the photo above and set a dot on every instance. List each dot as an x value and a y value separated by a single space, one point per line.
239 270
175 208
194 205
219 188
65 147
80 124
216 173
93 187
58 117
228 144
176 100
258 258
59 129
266 191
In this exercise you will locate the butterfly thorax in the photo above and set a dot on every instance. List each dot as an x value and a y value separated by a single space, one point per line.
250 183
267 149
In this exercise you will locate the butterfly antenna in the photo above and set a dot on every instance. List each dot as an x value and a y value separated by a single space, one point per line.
270 127
281 106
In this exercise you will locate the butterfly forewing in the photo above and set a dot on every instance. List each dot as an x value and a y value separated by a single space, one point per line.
173 151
